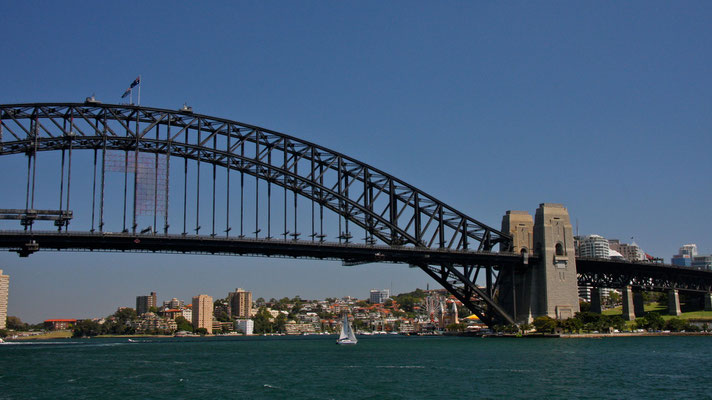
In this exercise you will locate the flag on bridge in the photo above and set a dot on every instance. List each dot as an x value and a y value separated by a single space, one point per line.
136 82
126 93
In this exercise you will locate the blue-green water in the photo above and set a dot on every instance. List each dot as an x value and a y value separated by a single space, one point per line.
313 367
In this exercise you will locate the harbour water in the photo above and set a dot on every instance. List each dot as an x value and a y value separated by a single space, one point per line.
379 367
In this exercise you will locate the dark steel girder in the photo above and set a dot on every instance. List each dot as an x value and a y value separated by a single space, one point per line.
618 274
330 181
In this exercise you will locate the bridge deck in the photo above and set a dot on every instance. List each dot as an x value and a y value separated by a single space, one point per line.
160 243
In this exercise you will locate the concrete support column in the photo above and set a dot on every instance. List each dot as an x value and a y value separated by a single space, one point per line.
708 301
596 300
674 302
628 308
638 303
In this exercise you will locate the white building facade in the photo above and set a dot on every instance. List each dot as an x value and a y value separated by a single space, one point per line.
4 291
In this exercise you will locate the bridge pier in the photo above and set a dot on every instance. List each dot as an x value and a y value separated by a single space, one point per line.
674 302
638 302
596 296
628 306
548 287
708 301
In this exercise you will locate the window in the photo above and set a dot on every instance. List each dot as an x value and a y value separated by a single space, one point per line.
559 249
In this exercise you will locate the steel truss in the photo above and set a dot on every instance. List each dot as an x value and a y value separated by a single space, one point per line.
389 211
460 280
617 275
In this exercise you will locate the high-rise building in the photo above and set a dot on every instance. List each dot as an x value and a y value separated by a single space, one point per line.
379 296
594 246
630 252
240 303
203 312
4 290
684 256
702 262
144 303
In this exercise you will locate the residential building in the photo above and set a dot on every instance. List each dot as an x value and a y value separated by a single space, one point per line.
4 291
59 323
240 303
144 303
188 312
295 328
379 296
203 312
173 304
594 246
246 326
151 322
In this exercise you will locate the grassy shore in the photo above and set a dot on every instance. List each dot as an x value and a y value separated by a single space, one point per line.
663 311
47 335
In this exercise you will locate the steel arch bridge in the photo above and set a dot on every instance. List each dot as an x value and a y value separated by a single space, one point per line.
162 149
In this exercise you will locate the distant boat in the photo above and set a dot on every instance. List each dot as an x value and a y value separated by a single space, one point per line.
347 333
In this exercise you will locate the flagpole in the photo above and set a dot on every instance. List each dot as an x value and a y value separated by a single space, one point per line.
139 90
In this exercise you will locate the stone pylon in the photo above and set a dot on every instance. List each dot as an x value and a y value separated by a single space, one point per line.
515 290
556 280
549 286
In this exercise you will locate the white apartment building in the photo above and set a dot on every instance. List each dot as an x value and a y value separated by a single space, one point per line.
4 290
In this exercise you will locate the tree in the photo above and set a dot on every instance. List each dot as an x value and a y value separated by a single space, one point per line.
15 324
571 325
3 333
545 324
201 331
126 314
651 320
263 321
456 327
614 298
280 323
220 310
86 328
676 324
183 324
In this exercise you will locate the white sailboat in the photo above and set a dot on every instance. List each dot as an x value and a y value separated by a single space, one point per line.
347 333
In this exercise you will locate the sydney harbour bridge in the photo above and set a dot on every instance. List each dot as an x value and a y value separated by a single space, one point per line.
139 179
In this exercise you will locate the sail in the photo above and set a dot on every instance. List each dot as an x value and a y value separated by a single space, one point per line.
350 333
347 335
344 329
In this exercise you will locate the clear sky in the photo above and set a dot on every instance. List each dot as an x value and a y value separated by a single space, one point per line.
603 106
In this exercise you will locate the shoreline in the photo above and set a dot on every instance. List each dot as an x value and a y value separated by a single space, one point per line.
592 335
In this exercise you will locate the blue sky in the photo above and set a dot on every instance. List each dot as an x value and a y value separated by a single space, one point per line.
489 106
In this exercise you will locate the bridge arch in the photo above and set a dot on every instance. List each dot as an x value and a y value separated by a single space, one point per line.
447 244
390 210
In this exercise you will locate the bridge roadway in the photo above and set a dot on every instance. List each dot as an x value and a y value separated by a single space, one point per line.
590 271
161 243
